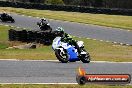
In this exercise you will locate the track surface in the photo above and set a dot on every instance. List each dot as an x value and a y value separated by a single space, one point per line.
77 29
53 71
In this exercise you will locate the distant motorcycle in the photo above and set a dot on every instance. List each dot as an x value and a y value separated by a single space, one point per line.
65 52
44 27
6 18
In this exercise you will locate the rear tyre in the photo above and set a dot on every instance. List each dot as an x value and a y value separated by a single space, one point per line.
61 56
86 57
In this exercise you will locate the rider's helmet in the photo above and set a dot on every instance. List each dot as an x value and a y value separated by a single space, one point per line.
43 19
60 30
4 13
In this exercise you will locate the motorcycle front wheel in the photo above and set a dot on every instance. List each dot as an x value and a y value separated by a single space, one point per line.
13 21
86 57
61 56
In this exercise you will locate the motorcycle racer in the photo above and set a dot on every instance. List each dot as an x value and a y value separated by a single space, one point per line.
67 49
44 25
4 17
68 38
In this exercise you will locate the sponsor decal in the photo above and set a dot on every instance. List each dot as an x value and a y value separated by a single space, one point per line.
83 78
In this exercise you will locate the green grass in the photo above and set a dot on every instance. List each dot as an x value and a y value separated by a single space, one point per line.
98 50
117 21
59 86
3 46
3 37
3 33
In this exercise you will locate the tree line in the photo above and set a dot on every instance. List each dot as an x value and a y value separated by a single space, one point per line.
126 4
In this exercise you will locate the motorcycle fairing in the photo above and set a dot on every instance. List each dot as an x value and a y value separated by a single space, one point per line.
72 54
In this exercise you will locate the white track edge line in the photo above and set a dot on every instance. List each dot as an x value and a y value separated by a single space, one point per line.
39 83
58 61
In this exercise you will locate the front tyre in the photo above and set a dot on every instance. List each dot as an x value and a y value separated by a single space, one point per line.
85 58
61 55
13 21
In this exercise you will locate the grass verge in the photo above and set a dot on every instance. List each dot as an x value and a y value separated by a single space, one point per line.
98 50
59 86
117 21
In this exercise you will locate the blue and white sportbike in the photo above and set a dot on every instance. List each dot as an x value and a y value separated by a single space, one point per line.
68 53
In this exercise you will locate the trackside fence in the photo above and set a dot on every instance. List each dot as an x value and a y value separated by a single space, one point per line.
84 9
41 37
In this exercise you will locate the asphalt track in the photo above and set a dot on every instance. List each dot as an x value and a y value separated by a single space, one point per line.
55 72
77 29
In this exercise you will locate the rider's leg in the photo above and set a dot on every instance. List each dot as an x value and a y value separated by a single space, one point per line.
76 46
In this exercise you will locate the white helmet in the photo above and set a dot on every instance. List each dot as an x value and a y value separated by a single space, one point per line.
43 19
60 29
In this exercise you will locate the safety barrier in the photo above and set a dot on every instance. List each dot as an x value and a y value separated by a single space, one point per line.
41 37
